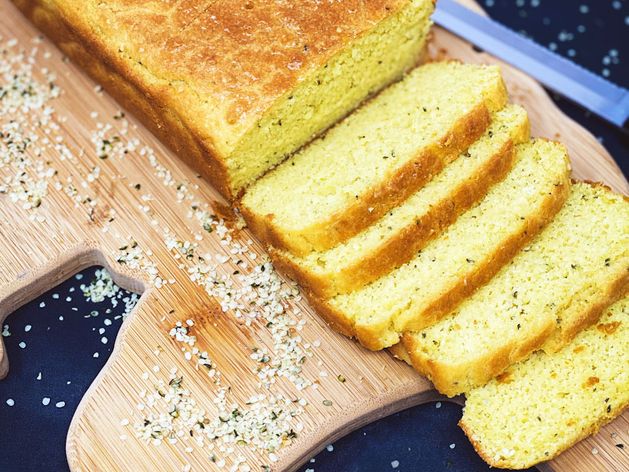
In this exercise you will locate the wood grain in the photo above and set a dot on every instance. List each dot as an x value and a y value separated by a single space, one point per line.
36 255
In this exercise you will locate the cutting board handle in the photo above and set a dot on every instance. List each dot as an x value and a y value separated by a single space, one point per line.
34 277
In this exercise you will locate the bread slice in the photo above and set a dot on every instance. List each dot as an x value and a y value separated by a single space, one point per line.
235 86
542 406
573 270
404 230
465 256
375 158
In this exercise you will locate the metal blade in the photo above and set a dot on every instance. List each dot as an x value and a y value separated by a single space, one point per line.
607 100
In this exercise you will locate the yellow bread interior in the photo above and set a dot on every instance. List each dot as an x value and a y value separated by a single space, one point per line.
405 229
542 406
327 94
404 131
467 253
578 265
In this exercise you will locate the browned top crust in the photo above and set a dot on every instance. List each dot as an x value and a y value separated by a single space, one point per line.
224 61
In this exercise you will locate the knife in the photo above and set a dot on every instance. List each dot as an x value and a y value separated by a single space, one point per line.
603 98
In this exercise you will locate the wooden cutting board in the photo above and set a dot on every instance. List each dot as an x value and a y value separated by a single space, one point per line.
66 233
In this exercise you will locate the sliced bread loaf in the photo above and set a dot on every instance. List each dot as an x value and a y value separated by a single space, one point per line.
574 269
397 236
542 406
466 255
375 158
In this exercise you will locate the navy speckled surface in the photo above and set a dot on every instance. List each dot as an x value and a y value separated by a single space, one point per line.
59 342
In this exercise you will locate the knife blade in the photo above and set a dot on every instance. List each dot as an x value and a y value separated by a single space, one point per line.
596 94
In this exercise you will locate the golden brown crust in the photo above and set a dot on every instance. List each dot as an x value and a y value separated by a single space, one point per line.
452 380
501 463
617 290
400 248
165 64
244 55
339 227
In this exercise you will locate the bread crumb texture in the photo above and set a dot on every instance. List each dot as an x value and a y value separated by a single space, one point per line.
578 264
542 406
472 249
404 230
375 158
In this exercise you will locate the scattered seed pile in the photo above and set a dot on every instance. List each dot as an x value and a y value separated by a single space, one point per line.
246 286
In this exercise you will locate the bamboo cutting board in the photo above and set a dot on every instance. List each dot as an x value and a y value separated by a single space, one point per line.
123 215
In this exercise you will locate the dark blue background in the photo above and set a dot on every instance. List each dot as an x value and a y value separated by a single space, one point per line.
33 435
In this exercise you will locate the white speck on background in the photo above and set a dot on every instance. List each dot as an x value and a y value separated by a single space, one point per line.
45 401
42 304
438 405
329 447
10 402
22 345
395 464
452 446
27 328
60 404
38 376
95 355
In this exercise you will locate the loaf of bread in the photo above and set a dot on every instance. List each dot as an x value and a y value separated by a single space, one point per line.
570 273
466 255
235 86
374 159
404 230
542 406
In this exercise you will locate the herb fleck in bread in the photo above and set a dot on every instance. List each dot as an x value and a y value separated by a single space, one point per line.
397 236
573 270
231 86
374 159
542 406
465 256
